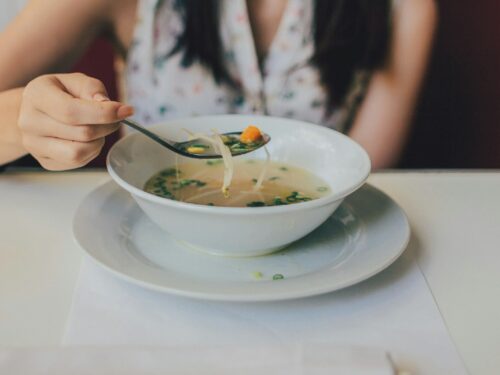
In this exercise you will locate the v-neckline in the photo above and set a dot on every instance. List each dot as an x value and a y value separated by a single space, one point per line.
261 64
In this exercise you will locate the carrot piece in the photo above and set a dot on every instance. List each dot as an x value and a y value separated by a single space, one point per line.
250 135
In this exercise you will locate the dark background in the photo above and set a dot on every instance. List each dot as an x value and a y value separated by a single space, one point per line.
457 122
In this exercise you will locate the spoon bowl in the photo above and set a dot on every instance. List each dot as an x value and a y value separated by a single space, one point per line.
182 148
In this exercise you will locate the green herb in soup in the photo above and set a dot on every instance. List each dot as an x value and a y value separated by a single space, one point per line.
233 142
257 275
215 162
199 182
250 139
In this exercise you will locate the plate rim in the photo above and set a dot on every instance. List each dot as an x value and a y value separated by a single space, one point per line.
241 297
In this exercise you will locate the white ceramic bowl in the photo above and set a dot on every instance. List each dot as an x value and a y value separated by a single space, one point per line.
244 231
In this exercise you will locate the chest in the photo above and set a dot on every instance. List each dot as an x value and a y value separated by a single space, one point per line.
265 17
273 69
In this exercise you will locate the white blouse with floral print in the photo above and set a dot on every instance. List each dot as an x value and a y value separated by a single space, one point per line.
284 85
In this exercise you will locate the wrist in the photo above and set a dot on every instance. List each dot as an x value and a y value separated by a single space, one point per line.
11 147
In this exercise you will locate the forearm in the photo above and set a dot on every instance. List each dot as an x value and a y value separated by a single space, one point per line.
383 123
11 146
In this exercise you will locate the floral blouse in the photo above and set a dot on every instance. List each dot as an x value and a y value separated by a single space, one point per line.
284 85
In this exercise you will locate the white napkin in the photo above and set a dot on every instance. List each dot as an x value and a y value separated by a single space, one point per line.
314 359
393 311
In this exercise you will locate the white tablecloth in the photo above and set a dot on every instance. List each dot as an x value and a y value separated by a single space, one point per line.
318 359
392 312
455 217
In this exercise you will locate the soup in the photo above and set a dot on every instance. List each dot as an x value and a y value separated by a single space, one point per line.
199 182
227 146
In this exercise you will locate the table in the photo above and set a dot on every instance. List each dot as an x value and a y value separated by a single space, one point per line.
455 219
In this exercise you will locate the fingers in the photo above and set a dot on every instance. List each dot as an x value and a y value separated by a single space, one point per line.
64 119
48 127
59 154
82 86
54 95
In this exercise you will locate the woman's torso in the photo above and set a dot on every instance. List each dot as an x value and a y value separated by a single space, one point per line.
283 84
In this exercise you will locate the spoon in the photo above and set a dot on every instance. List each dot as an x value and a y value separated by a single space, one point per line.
237 148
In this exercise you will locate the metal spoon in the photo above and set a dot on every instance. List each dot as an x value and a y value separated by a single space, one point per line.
180 147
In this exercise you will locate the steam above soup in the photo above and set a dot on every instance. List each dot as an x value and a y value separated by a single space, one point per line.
199 182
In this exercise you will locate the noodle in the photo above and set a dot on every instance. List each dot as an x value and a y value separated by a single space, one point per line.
227 157
262 174
219 147
177 168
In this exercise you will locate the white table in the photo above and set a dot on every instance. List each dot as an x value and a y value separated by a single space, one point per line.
455 220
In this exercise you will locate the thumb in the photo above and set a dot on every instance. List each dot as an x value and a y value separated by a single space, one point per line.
93 89
89 100
84 87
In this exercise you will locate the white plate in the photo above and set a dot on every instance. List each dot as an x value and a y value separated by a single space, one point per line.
365 235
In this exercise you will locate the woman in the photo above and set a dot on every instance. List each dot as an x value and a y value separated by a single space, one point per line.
353 65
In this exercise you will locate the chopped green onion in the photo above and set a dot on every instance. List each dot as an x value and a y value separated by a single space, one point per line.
256 204
297 197
278 276
257 275
169 172
322 189
278 202
230 139
214 162
187 182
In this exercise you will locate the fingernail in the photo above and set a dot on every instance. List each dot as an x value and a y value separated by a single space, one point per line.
125 111
100 97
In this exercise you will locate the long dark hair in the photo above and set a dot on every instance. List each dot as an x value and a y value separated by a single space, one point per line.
349 35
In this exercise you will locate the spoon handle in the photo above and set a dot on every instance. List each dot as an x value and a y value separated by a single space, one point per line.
149 134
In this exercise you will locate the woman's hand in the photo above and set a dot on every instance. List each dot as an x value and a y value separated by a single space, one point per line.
64 118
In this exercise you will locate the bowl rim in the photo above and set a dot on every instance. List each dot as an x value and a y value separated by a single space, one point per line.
319 202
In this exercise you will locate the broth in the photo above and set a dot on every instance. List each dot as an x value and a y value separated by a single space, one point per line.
199 182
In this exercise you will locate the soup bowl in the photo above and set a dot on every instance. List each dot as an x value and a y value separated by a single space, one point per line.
242 231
